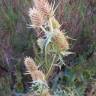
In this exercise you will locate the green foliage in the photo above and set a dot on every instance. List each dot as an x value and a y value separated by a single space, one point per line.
5 85
70 91
38 86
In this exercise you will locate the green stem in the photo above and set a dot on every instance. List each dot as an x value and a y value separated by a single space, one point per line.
49 71
50 23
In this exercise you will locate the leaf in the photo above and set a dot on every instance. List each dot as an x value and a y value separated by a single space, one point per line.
48 39
43 43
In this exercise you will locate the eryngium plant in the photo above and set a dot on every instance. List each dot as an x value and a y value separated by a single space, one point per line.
53 41
42 16
53 44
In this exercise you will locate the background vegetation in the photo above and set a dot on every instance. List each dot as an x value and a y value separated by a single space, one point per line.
78 19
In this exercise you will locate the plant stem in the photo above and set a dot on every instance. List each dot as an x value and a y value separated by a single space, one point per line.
49 71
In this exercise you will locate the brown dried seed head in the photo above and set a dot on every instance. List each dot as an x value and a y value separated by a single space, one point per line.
44 7
36 17
33 69
30 64
60 40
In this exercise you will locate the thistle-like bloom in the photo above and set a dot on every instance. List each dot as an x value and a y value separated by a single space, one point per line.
44 7
60 40
36 74
33 70
36 17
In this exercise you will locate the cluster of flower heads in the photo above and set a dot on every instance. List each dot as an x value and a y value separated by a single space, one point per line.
42 16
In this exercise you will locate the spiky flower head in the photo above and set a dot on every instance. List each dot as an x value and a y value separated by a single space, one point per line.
60 40
33 69
44 7
36 17
30 64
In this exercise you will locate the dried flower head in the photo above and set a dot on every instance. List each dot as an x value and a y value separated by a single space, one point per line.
44 7
36 17
60 40
30 64
33 69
